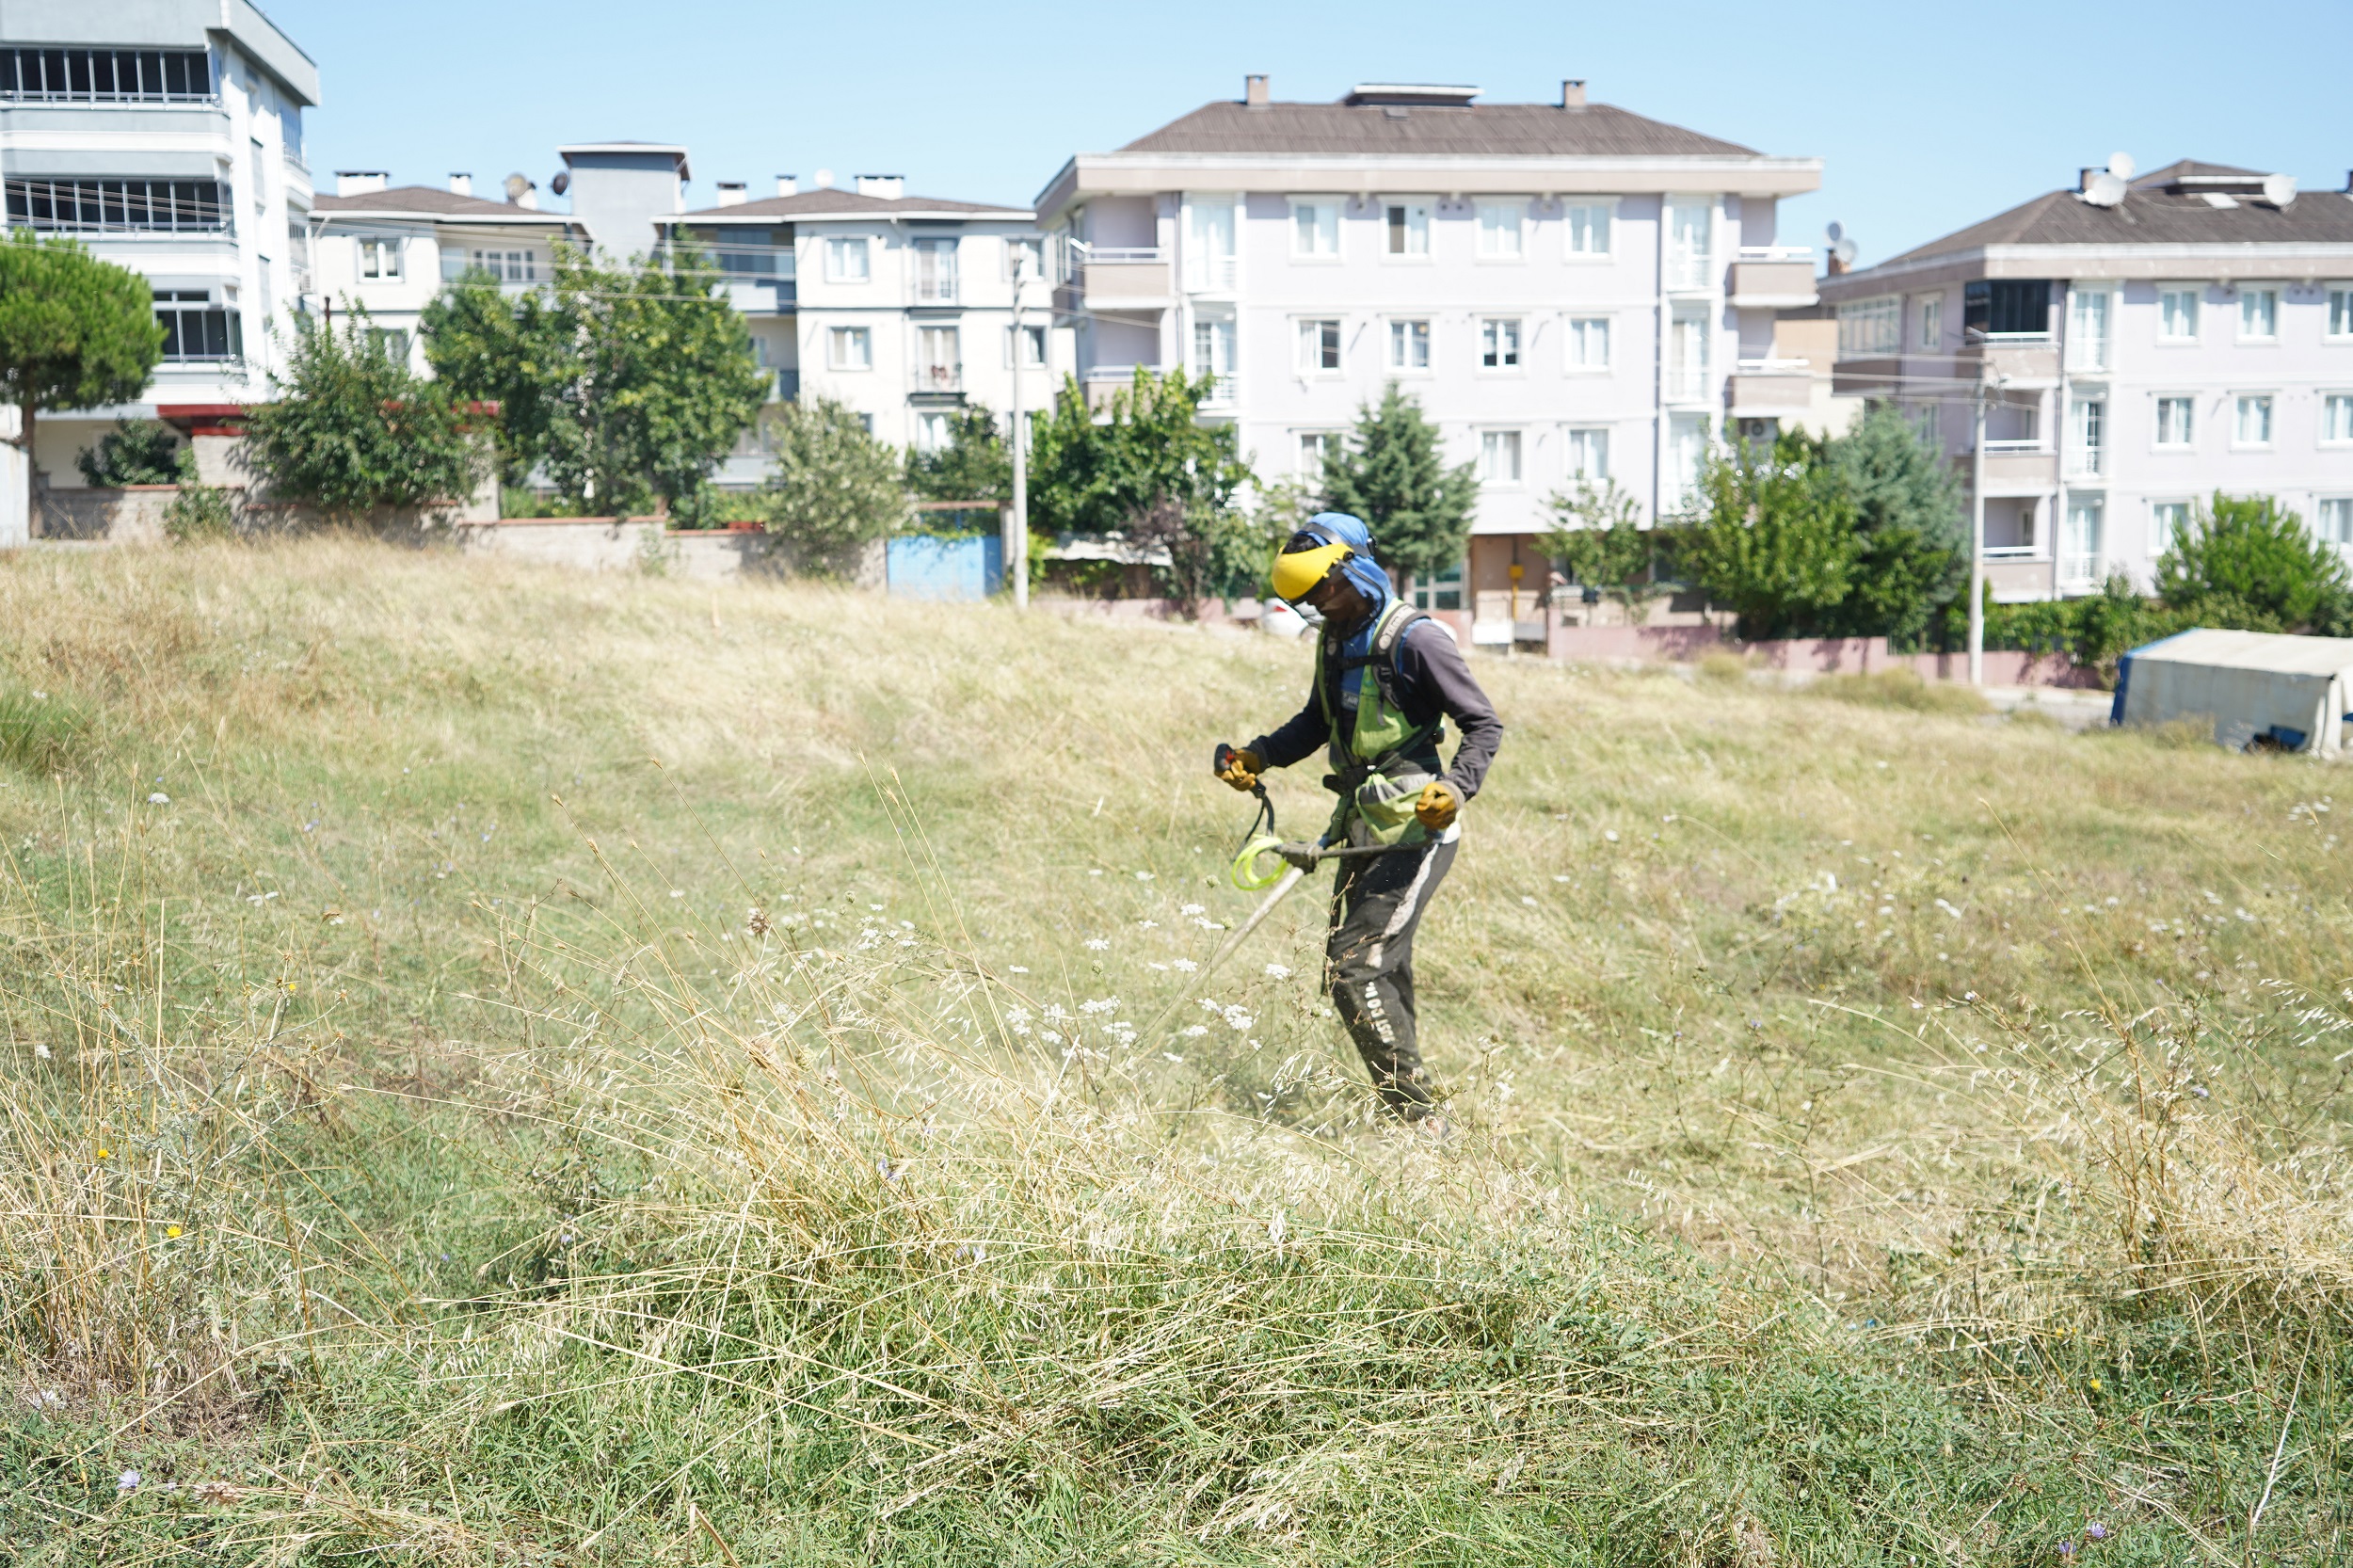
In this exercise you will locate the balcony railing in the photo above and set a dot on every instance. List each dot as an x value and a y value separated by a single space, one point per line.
939 378
1686 386
1775 253
935 289
1688 271
2021 447
2087 462
1775 367
1211 274
1109 255
1220 390
2012 552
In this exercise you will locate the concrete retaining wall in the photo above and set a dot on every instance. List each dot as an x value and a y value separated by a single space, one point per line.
646 544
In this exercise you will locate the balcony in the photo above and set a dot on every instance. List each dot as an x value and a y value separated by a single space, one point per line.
1686 385
2087 462
1771 388
2020 468
938 380
1102 382
2022 358
1773 277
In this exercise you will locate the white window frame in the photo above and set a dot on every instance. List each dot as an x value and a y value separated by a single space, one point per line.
1307 346
1871 329
1577 333
927 419
839 337
2343 504
2162 534
1502 438
839 247
2247 296
1322 441
1588 218
1579 445
1453 581
2272 420
1036 335
2087 350
1491 331
1425 205
1932 323
375 250
1516 230
2337 325
1322 207
2071 572
1391 342
2336 402
2188 442
1017 245
2195 293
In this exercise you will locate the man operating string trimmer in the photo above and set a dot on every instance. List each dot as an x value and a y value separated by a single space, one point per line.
1385 681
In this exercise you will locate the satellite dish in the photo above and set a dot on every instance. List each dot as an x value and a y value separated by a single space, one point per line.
2122 164
562 182
515 186
1836 232
825 179
2279 189
2106 190
1845 251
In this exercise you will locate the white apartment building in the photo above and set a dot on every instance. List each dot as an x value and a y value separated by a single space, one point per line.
900 307
390 249
2149 340
167 136
1567 289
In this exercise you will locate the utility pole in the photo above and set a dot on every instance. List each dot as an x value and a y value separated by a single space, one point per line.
1976 537
1018 521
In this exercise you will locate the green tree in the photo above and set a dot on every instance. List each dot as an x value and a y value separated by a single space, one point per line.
1601 537
975 465
1776 540
352 429
835 486
75 332
1388 473
1091 477
1911 546
2247 563
624 385
137 452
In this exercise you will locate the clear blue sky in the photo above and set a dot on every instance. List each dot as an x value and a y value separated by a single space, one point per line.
1927 116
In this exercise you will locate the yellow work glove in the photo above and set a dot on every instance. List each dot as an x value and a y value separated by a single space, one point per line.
1242 769
1435 809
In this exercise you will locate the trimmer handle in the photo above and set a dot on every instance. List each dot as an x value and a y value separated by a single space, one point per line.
1221 759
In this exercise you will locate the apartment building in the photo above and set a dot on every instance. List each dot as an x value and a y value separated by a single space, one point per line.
1567 288
2144 342
167 136
900 307
388 249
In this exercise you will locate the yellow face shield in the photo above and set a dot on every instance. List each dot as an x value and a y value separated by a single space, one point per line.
1297 573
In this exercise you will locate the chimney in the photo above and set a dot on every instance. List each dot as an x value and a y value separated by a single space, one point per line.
1573 93
1833 265
529 199
461 184
788 184
361 181
2084 178
1253 91
730 193
889 187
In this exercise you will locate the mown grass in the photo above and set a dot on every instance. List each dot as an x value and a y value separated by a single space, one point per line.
647 1074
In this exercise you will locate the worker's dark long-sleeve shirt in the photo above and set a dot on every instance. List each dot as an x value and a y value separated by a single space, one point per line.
1431 678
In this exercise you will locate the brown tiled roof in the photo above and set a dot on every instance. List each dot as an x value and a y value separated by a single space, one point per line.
813 203
2190 168
433 199
2154 216
1489 130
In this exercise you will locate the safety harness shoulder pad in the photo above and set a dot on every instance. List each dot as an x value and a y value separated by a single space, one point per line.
1381 659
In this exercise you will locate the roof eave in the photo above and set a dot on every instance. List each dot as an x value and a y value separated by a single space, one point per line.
1135 173
2245 259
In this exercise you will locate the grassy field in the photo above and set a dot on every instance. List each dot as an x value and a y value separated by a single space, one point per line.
504 1066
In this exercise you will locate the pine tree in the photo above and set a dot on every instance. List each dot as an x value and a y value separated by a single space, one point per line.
1389 473
75 332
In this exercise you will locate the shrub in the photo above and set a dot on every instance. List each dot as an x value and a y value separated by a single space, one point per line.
1901 688
836 487
1388 473
197 513
1776 544
1911 545
1601 537
975 465
137 452
2247 563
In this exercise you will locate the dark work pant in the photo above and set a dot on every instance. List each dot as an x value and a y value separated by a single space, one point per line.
1369 965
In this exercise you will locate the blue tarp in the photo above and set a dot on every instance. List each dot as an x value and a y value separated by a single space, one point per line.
922 566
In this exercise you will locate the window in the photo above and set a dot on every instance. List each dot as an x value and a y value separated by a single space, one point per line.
2341 312
2176 420
1316 230
2079 542
1440 590
1687 354
260 164
1213 356
1933 323
507 266
1499 231
2007 307
850 348
1209 243
106 76
2167 520
1687 450
846 259
1025 252
380 258
2254 421
2336 418
1588 343
1929 420
940 359
2177 314
1314 447
1499 343
1499 456
1029 343
1587 226
391 342
1408 229
125 206
931 433
2091 415
2336 520
2258 316
2088 328
194 329
1319 347
1589 453
1868 327
1690 226
935 272
1409 345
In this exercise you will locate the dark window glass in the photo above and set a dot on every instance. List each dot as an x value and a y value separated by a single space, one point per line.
2007 305
172 205
105 75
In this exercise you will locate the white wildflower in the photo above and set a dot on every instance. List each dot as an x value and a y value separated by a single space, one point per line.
1187 965
1193 1032
1190 909
159 798
1097 944
1277 972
